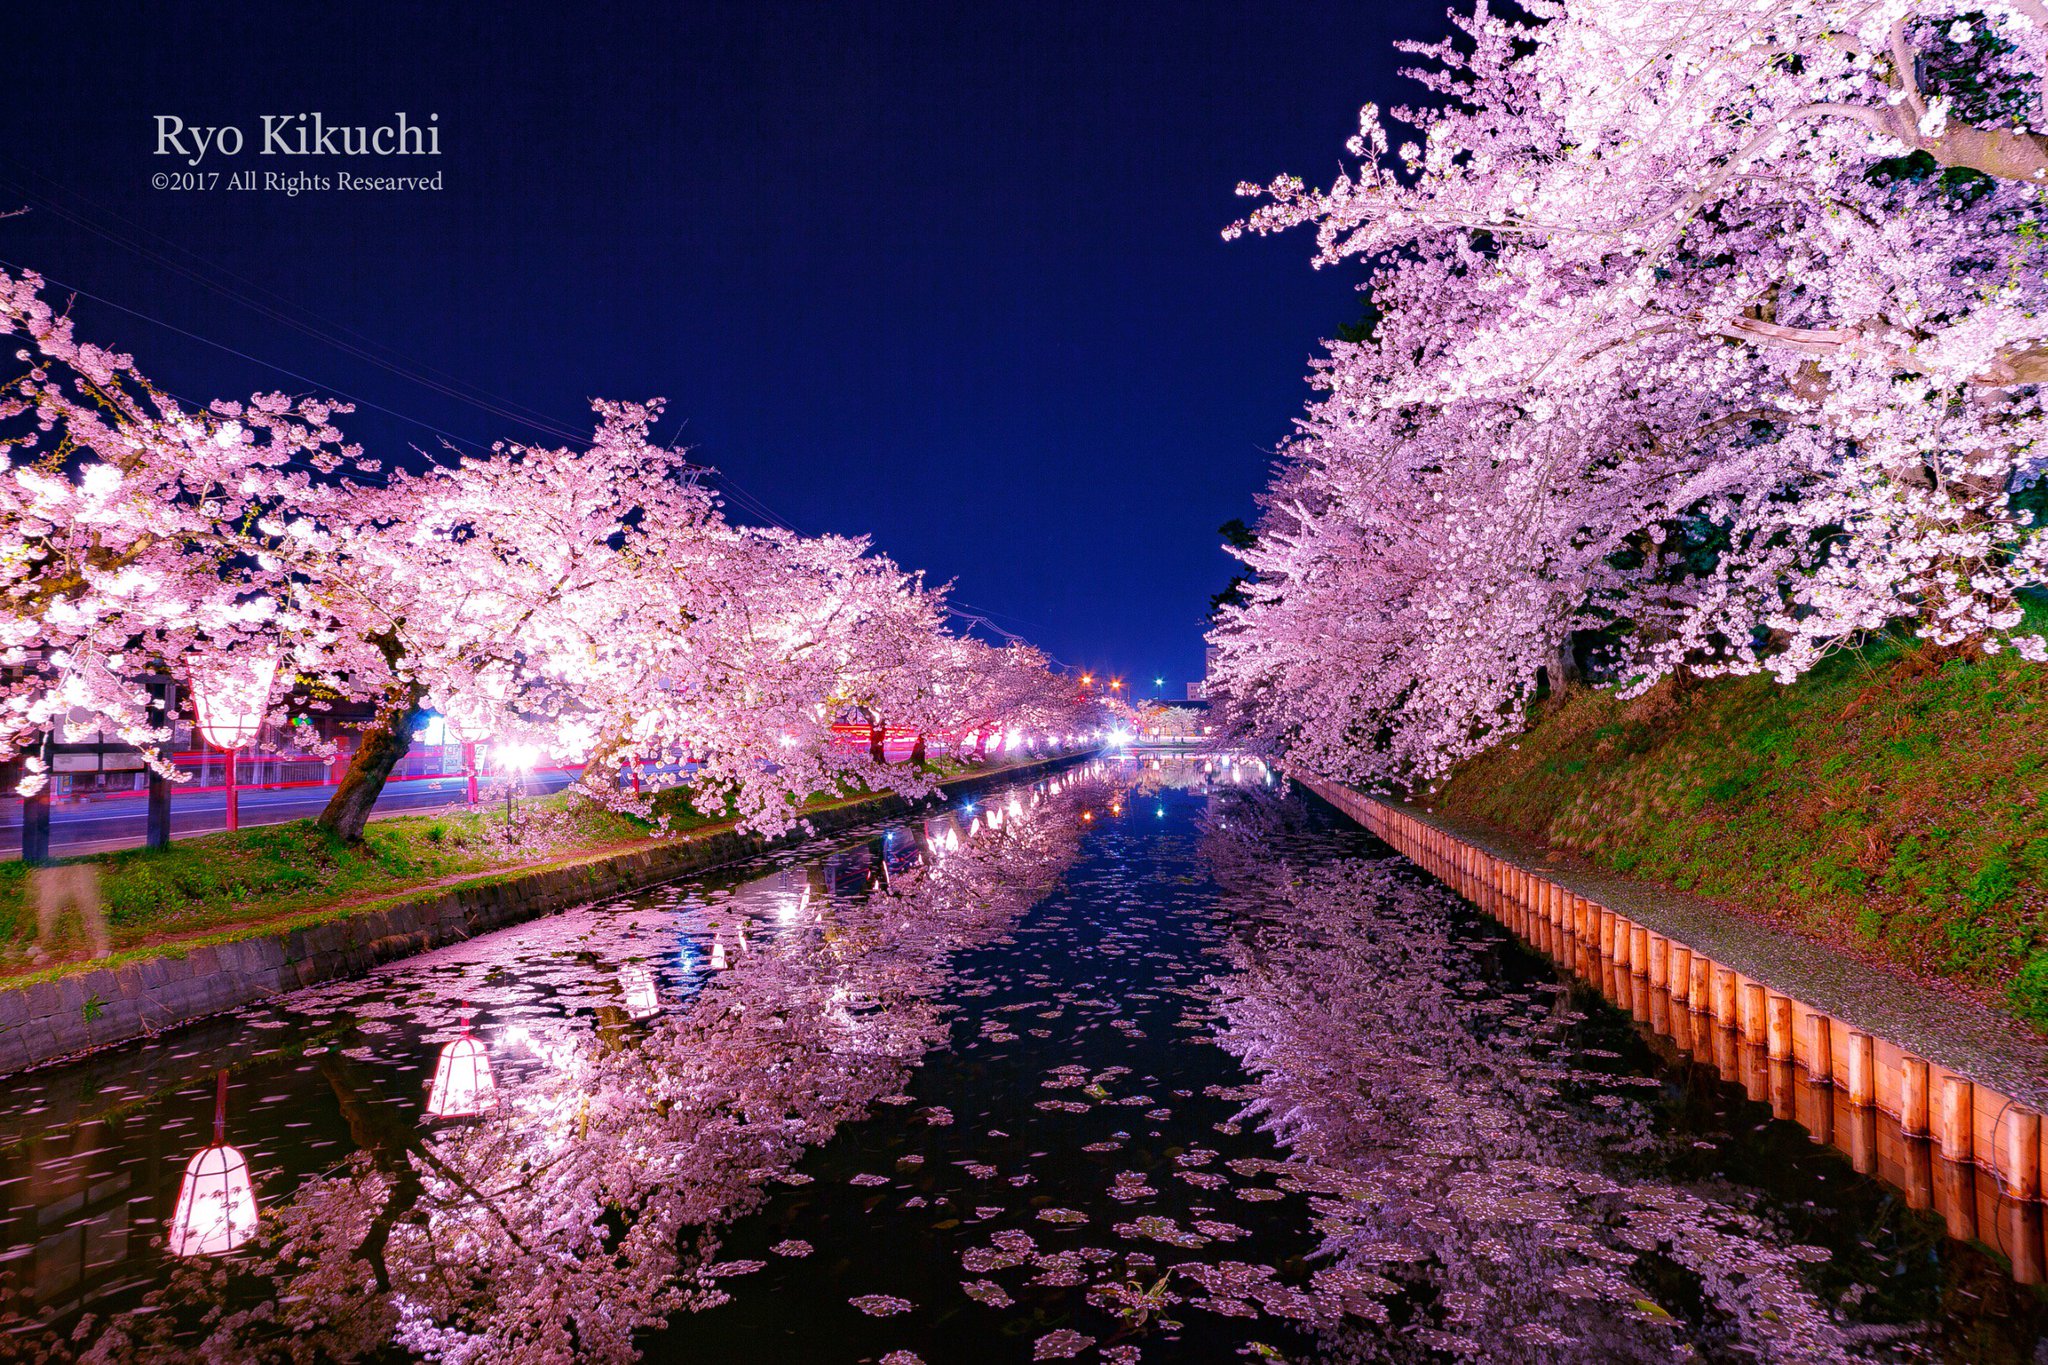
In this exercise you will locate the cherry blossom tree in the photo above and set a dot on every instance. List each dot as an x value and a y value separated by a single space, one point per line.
787 633
508 593
1711 332
1014 687
131 531
593 605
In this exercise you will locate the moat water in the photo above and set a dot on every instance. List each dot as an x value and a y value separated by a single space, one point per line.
1146 1060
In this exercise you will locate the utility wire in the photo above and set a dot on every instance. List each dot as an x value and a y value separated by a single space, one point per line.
452 387
283 312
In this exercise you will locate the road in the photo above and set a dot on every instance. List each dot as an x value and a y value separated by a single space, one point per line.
103 823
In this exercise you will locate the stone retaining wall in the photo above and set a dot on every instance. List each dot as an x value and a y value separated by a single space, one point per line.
60 1018
1824 1068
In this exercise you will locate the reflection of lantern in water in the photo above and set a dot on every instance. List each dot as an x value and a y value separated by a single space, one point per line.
637 984
462 1087
216 1205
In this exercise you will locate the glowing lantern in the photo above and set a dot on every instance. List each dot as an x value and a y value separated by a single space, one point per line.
637 983
462 1086
717 955
229 704
216 1204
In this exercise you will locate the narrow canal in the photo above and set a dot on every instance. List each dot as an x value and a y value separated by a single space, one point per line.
1143 1061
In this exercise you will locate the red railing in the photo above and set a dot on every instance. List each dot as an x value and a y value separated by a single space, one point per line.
208 768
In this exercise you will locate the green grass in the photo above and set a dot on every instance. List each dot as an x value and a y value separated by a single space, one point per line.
216 881
222 886
1881 802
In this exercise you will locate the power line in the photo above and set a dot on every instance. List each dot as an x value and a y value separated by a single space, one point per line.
242 355
452 388
504 408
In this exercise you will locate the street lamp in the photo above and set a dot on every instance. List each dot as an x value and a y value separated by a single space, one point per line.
229 703
518 761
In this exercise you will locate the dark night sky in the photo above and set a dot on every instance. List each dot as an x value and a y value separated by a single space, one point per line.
948 276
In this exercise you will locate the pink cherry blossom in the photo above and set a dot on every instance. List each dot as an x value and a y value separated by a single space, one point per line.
1710 333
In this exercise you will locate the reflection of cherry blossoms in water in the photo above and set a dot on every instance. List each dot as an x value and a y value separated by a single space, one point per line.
576 1210
1415 1142
1471 1189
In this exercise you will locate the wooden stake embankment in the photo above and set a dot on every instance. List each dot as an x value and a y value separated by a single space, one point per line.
1952 1144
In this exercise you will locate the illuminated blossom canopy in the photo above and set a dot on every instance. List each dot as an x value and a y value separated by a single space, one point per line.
592 605
127 534
1707 336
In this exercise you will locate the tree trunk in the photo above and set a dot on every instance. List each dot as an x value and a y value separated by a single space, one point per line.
917 753
878 743
391 1144
1565 671
385 742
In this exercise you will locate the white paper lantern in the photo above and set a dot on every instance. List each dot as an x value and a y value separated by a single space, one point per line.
230 699
462 1086
216 1206
637 984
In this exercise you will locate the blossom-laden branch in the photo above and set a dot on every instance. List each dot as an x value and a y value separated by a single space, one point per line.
1709 335
593 605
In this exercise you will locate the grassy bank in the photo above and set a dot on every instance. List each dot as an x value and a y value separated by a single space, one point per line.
115 905
217 881
1885 802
